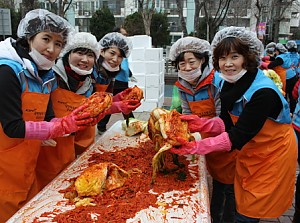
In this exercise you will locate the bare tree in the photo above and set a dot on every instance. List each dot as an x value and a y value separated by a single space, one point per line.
278 10
60 7
215 12
7 3
147 10
198 6
181 18
238 11
66 6
27 5
258 14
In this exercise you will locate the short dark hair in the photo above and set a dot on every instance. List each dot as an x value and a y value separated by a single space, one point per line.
251 61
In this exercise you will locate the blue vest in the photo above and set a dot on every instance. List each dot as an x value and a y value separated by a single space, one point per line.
100 79
46 84
287 62
291 72
203 93
262 81
123 75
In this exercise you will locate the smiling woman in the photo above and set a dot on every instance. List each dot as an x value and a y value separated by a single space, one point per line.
74 73
256 117
115 48
26 116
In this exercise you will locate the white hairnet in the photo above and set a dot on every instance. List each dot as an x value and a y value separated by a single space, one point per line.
271 45
189 44
40 20
115 39
280 47
291 44
82 40
270 50
244 35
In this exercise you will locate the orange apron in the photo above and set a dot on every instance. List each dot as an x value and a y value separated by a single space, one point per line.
101 87
18 158
64 102
53 160
220 165
282 74
266 171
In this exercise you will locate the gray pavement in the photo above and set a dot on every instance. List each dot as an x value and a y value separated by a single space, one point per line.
287 217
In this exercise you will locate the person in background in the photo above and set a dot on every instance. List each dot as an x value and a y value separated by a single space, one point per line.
269 54
121 83
291 73
26 114
281 63
296 125
198 90
257 123
270 49
114 47
74 74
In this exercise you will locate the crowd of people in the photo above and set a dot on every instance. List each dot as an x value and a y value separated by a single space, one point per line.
249 126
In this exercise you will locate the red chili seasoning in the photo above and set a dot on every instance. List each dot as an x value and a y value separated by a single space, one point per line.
124 202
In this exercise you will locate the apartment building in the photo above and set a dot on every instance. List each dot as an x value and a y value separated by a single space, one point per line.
244 14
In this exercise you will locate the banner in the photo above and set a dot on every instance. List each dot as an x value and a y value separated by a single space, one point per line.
262 29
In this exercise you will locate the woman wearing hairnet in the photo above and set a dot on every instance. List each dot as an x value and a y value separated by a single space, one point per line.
121 79
291 73
74 73
114 47
281 63
198 90
257 123
269 54
292 48
26 114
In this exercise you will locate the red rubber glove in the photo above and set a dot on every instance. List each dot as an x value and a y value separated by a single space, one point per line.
123 106
214 126
204 146
59 127
120 96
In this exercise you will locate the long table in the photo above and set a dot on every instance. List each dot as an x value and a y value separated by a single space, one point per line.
49 199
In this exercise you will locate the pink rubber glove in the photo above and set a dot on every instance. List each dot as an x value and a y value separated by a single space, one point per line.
123 106
120 96
204 146
48 130
265 58
98 118
264 65
214 126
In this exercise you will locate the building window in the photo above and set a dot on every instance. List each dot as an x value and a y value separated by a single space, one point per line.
83 24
